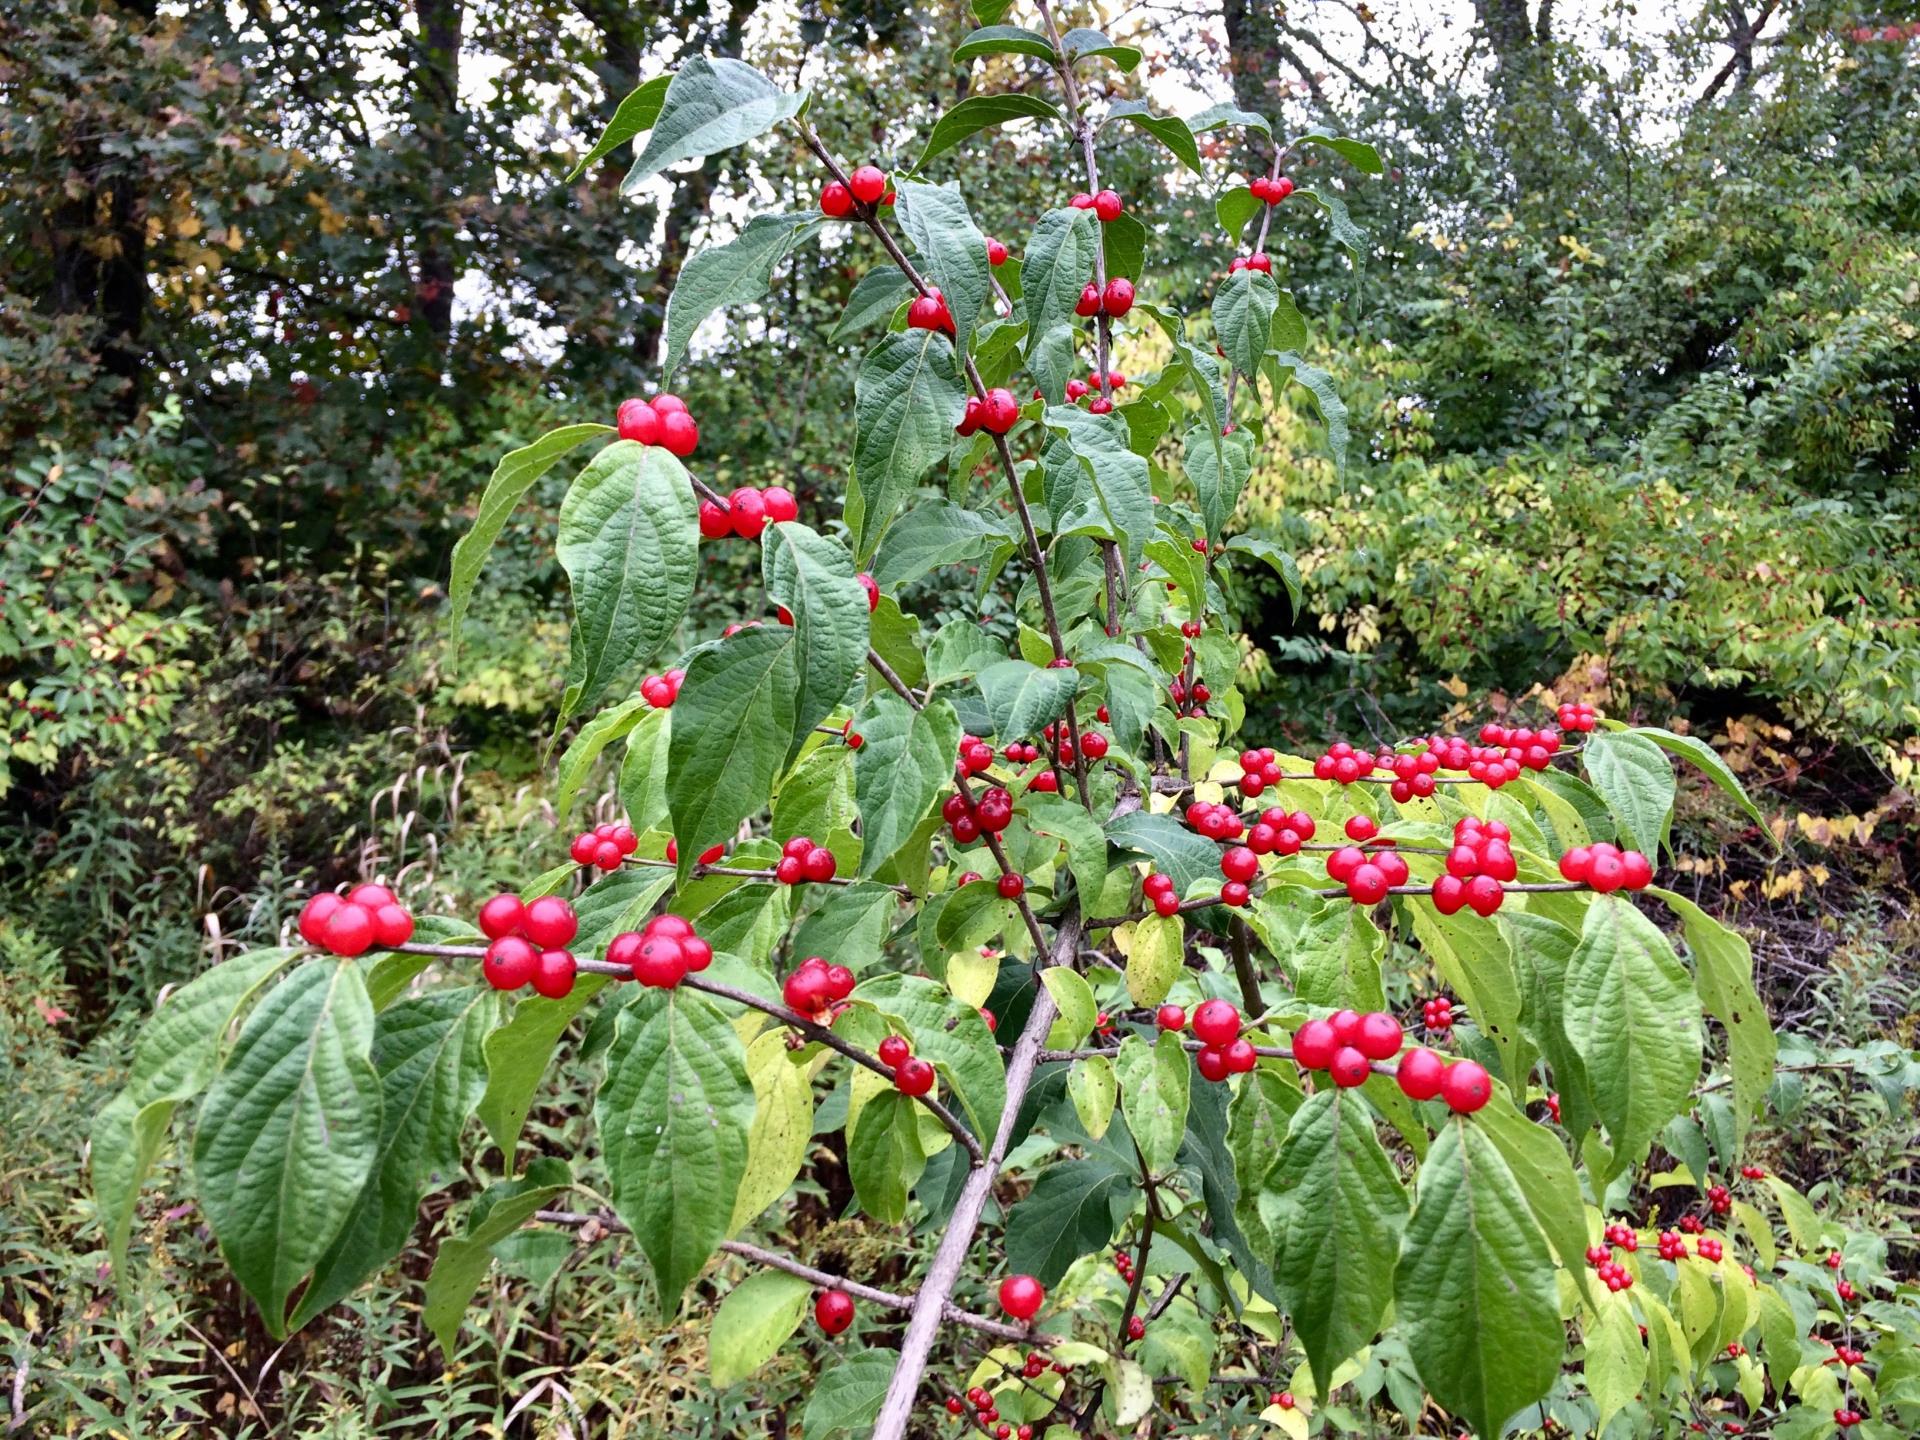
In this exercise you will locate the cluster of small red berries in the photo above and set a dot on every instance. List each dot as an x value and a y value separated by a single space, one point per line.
1216 822
604 846
1280 832
1282 1398
661 421
1093 744
817 990
1533 749
1576 717
1624 1236
747 512
1224 1050
1846 1291
1752 1172
867 186
801 859
1607 867
1259 260
1272 191
1343 764
991 813
1160 895
1123 1260
1846 1418
1078 389
661 953
1719 1199
1115 301
1437 1014
1480 862
1238 864
1673 1245
929 312
366 916
660 691
1199 694
833 1311
996 253
1106 204
911 1074
1846 1354
1692 1224
996 412
1615 1276
528 944
1369 877
1259 769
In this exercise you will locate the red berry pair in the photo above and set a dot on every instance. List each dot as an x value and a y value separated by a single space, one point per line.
366 916
1216 822
815 987
660 691
748 512
1115 301
1607 868
865 186
996 412
707 856
1259 768
604 846
529 940
801 859
1577 717
911 1075
1369 878
1106 204
661 954
1158 889
662 420
929 312
1272 191
1225 1051
1259 260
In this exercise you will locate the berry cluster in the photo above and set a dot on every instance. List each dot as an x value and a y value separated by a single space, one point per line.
1282 1398
1480 862
994 412
1123 1263
1719 1199
1114 301
1846 1291
1412 775
528 944
1707 1248
866 187
1239 865
1136 1327
1259 768
818 990
1343 764
1346 1043
1752 1172
1021 1296
1437 1014
911 1074
366 916
1846 1418
1280 832
1272 191
660 691
661 421
1225 1051
929 312
1158 889
1106 204
1216 822
604 846
801 859
747 512
1615 1276
1368 876
833 1311
1259 260
662 953
1576 717
1624 1236
968 820
1607 868
1673 1245
1846 1354
1078 389
1692 1225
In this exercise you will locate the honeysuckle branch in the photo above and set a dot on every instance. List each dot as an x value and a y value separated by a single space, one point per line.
1506 888
1038 935
887 674
740 872
1200 902
896 1409
825 1279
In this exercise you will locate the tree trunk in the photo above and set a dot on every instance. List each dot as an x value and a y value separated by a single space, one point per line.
437 116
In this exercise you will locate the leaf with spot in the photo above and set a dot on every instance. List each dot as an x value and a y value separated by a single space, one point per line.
1154 1081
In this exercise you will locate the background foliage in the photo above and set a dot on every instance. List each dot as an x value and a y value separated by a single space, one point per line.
1630 362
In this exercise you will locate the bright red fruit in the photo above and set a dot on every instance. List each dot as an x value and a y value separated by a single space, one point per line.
1348 1068
1212 1063
893 1050
1011 886
1021 1296
1314 1044
1089 301
661 962
1361 827
553 974
1170 1017
1117 299
833 1310
509 963
1466 1086
835 199
1379 1036
502 915
349 930
748 512
819 864
998 411
392 925
313 916
996 252
1421 1074
1107 206
1216 1023
1346 1026
637 420
678 434
550 923
868 184
715 523
1239 863
779 504
914 1076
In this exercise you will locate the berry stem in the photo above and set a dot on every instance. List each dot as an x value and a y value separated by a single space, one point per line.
1200 902
887 674
741 873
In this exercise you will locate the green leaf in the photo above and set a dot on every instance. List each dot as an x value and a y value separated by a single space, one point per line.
1345 232
289 1131
1085 841
1723 976
977 113
878 294
1334 1209
173 1061
1216 116
1059 264
885 1156
720 275
1169 130
1616 1359
1125 240
643 773
1289 328
1094 1091
901 771
1073 1209
1235 209
1175 851
907 397
732 727
1022 698
1544 1172
629 531
847 1398
1154 958
1073 998
758 1316
674 1114
932 536
1084 44
634 117
517 1054
1281 561
813 576
1472 954
1541 950
516 474
989 12
1635 1019
1218 467
961 648
601 731
1120 477
427 1050
1331 949
1003 40
851 927
711 104
1333 410
1154 1080
1257 1129
1243 310
1474 1290
782 1130
1704 758
949 250
462 1262
1357 153
1636 781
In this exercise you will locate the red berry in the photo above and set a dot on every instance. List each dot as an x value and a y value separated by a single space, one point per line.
1012 886
638 421
833 1310
1367 885
835 199
348 930
313 916
1466 1086
1216 1023
914 1076
779 504
1239 863
1346 1026
999 411
1235 893
1449 894
1021 1296
748 512
372 897
1314 1044
1361 827
715 524
666 404
1089 301
1348 1068
1212 1063
1093 745
1170 1017
1421 1074
1484 894
1117 300
868 184
1081 200
893 1050
502 915
678 434
1379 1036
550 923
509 963
1240 1056
553 974
996 252
392 925
661 961
1107 206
